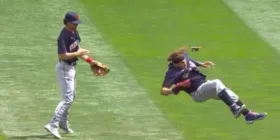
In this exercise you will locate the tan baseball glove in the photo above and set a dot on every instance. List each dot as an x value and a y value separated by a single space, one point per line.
99 69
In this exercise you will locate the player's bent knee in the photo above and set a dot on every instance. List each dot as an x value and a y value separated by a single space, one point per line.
68 100
219 85
217 81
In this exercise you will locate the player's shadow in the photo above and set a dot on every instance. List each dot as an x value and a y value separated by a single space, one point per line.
44 136
27 137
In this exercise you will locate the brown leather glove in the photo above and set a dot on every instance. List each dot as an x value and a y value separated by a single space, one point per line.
99 69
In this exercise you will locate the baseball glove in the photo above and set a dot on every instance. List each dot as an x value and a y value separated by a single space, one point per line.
99 69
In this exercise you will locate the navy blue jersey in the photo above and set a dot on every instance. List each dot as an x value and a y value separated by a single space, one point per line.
68 42
175 75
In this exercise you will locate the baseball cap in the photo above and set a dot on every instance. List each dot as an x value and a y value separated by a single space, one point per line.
72 17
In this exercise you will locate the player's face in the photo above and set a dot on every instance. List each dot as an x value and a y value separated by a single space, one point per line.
182 64
72 26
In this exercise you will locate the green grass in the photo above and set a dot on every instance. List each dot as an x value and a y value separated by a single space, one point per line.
141 33
2 136
145 31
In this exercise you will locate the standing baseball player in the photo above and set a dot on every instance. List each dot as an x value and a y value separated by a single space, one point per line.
183 75
69 51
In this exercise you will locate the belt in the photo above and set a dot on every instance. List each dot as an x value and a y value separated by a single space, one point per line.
68 63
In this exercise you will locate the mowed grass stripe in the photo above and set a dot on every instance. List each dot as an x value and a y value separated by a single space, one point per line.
113 107
261 16
19 115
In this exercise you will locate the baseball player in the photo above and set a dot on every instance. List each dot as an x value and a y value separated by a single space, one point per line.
69 51
183 75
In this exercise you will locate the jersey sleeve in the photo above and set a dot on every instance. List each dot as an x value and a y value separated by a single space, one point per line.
169 79
167 82
195 62
61 45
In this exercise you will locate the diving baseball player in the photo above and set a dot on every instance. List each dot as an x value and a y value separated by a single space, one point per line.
183 75
69 51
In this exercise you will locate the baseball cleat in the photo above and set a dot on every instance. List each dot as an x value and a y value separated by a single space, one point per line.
53 131
68 130
237 111
253 116
65 127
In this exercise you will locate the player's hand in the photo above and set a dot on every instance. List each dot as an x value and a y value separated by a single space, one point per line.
82 52
208 64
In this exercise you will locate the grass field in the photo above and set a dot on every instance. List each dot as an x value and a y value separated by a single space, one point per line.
134 38
2 136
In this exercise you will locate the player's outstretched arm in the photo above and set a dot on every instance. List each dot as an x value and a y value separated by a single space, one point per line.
88 59
84 57
206 64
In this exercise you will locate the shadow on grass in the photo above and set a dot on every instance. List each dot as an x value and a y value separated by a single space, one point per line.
44 136
27 137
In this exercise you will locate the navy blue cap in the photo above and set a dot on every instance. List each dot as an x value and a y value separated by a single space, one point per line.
72 17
